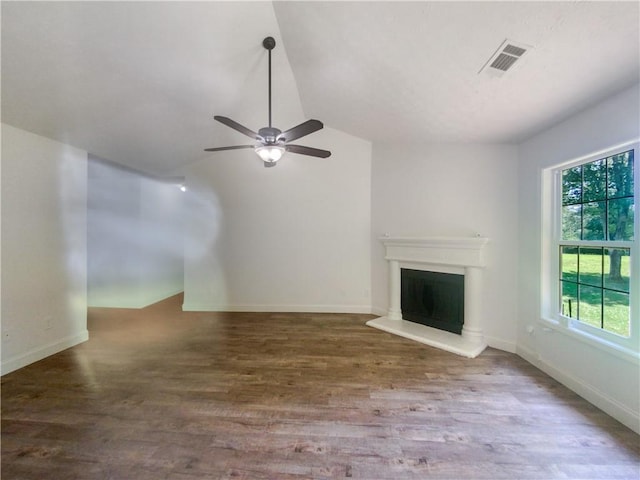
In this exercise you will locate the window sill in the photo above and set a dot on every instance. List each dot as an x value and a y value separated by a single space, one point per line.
622 352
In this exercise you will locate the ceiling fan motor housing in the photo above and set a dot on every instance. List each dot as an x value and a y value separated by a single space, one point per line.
270 135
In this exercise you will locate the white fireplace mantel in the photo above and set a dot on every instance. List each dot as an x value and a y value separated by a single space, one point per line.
461 255
451 251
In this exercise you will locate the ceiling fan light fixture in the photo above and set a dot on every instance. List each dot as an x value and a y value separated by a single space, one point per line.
270 153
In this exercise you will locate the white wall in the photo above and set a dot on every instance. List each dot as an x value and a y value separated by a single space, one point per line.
162 228
452 190
44 193
294 237
612 382
135 238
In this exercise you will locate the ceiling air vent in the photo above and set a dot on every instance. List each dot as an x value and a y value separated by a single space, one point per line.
505 58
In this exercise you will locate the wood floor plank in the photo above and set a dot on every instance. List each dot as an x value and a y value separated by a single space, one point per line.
159 393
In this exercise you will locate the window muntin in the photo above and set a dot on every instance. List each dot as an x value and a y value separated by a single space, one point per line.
597 215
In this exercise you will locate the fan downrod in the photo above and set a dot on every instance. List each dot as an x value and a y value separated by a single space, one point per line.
269 43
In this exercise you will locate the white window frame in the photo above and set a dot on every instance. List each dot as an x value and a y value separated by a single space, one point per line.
552 229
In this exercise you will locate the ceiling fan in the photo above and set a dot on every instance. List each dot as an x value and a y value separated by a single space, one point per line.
273 142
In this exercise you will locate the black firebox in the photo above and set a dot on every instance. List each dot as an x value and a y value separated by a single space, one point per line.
433 299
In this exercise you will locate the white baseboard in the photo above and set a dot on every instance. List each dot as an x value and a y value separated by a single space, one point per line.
151 299
133 304
598 398
501 344
138 302
39 353
200 307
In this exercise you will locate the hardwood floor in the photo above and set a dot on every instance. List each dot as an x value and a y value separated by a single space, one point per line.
163 394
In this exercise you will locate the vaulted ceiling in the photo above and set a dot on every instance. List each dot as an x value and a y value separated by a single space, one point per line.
139 82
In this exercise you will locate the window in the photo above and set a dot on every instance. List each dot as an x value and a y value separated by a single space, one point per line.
595 247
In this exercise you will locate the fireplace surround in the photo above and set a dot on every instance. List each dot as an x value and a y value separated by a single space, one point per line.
455 255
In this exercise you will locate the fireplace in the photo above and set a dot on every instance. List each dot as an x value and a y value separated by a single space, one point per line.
432 298
460 256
